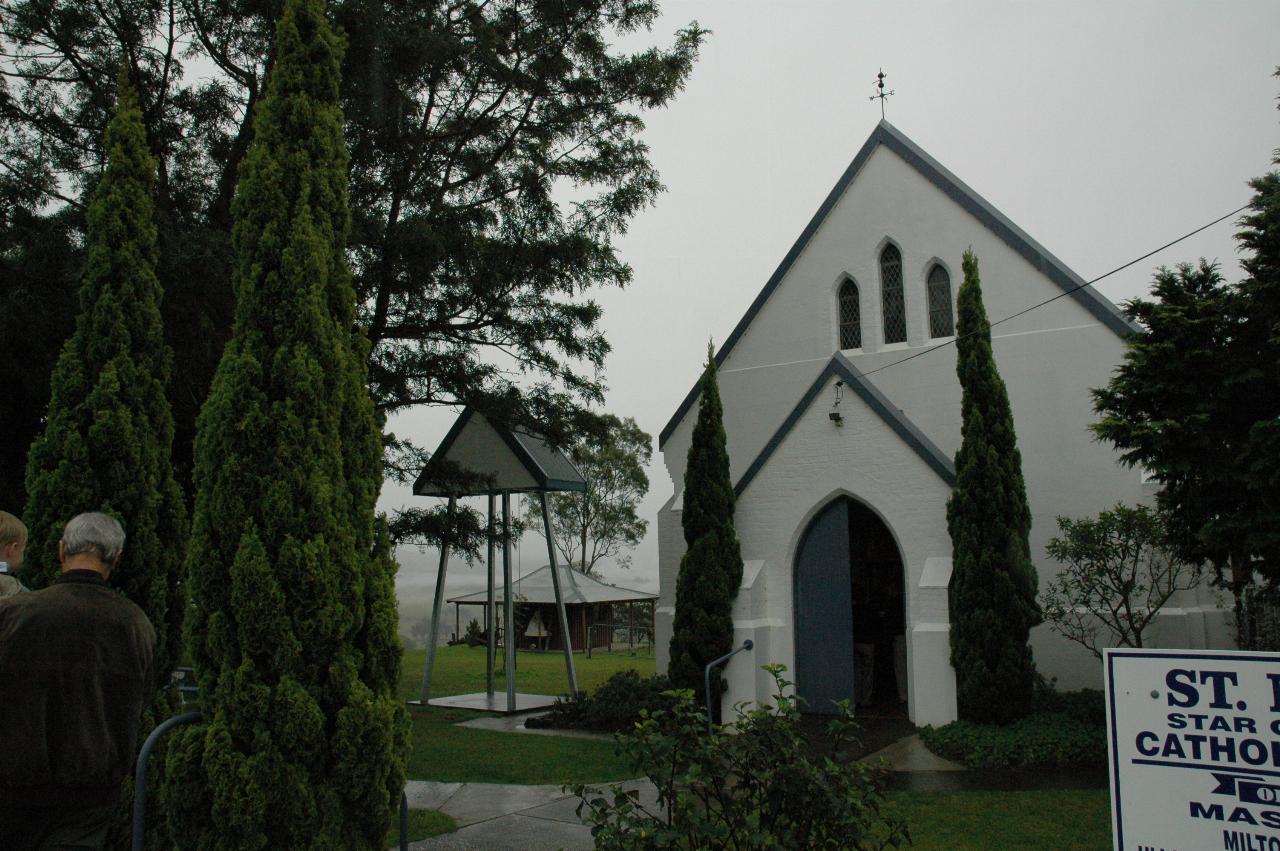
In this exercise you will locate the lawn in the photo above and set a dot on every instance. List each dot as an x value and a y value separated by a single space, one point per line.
1059 819
1065 820
441 750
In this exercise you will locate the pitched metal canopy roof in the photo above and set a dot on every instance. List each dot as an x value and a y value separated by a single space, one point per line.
509 459
578 588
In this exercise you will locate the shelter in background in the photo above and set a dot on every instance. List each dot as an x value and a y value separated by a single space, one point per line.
597 611
478 458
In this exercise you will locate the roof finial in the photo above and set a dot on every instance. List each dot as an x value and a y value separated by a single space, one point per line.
881 94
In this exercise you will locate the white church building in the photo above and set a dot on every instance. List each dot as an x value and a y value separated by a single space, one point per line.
841 448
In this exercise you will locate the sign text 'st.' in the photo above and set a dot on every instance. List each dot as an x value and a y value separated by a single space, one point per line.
1194 745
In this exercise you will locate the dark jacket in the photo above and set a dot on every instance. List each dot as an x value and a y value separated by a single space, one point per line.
75 671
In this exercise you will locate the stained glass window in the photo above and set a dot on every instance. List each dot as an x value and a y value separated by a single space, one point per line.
891 296
850 316
941 320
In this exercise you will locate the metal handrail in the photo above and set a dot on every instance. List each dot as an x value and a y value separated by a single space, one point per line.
706 678
140 773
140 782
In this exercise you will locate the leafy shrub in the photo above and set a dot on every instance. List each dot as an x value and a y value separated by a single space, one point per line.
473 637
1065 729
1088 705
753 786
615 707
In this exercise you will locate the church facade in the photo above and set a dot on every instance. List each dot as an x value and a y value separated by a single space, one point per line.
842 411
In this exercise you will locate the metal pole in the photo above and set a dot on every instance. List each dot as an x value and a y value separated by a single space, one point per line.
555 583
508 604
404 821
490 614
140 773
706 678
437 604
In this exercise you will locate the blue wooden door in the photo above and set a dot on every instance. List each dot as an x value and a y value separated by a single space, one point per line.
824 612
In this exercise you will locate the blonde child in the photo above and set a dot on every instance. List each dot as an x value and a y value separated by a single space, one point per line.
13 547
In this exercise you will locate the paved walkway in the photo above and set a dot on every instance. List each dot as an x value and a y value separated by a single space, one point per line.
499 817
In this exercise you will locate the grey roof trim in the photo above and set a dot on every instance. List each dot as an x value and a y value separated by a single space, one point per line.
954 188
523 445
841 367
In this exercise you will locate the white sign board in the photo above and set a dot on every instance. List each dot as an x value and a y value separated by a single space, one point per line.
1194 747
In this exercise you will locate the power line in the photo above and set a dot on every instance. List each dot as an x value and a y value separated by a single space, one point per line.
954 340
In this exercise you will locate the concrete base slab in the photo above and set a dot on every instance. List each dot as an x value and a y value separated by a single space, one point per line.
497 702
910 754
515 724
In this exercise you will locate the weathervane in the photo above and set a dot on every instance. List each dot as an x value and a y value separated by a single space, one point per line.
882 94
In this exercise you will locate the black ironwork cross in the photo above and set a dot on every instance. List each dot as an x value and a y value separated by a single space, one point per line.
881 94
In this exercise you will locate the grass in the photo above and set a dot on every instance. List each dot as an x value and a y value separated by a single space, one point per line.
1059 819
441 750
460 670
423 824
1062 819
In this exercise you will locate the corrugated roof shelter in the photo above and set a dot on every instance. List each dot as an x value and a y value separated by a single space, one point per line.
496 461
590 605
579 589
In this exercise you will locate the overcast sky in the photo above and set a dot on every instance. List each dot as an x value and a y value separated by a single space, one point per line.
1102 129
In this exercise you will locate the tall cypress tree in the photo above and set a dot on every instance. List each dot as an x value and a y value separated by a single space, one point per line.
711 569
292 627
993 583
107 443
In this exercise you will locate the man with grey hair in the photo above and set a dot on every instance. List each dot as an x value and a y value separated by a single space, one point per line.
75 672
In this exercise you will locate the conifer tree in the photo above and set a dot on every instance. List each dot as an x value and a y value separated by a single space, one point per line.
711 569
107 443
292 626
993 583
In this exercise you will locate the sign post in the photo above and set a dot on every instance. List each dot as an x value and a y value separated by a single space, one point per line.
1194 749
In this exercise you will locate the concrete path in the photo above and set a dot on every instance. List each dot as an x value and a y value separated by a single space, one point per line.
500 817
911 755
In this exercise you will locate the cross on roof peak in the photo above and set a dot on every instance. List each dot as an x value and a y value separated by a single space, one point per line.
881 95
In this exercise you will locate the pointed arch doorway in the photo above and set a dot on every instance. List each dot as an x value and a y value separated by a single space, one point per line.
850 613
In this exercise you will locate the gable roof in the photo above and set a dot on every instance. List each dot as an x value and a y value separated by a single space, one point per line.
544 467
577 588
955 189
843 368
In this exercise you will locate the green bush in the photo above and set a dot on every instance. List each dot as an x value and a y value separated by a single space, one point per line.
615 707
1088 705
1065 729
473 637
753 786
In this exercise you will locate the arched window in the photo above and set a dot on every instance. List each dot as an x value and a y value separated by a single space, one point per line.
850 316
891 298
941 321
